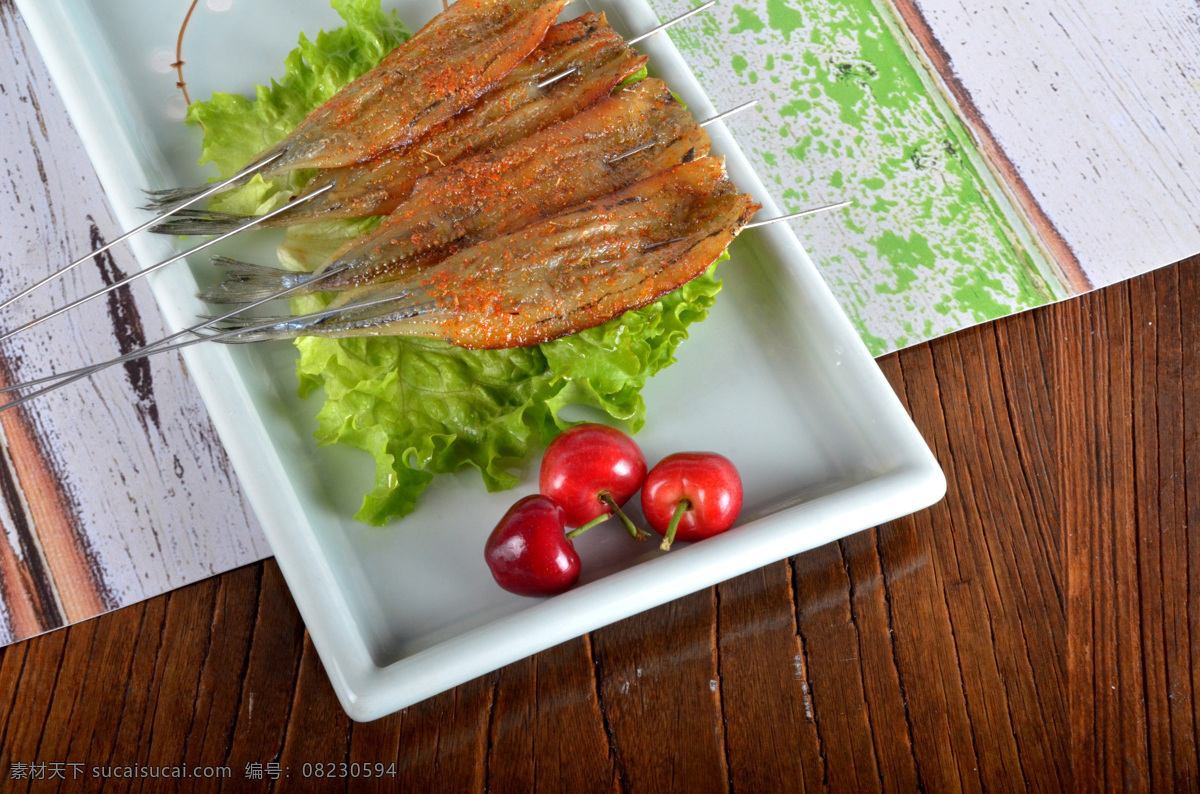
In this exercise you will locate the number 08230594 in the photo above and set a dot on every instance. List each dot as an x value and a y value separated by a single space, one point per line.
347 770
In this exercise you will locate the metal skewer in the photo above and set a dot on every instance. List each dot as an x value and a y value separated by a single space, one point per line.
83 372
164 263
643 37
800 214
216 188
146 350
670 22
728 113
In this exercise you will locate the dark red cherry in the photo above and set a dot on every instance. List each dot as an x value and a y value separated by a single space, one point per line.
529 553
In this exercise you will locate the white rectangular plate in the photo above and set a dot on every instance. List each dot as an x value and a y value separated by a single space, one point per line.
776 379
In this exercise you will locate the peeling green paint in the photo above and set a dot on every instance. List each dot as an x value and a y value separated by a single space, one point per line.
930 244
746 20
783 17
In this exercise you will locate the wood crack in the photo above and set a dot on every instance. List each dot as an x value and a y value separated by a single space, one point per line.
287 722
237 707
850 594
613 753
806 687
491 726
720 693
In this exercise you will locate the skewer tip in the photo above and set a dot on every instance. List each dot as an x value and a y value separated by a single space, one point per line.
801 214
670 22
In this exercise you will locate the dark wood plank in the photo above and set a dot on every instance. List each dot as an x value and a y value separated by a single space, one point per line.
764 681
660 694
891 732
545 728
317 731
830 644
268 685
1187 566
1107 695
442 742
219 690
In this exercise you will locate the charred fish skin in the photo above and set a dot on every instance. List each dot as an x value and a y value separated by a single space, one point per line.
451 62
571 272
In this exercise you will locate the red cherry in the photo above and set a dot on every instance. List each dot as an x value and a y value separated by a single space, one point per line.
591 470
692 496
528 552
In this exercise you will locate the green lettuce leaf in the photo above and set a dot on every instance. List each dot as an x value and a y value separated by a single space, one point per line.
423 407
236 128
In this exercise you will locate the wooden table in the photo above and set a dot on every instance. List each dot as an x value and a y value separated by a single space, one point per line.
1033 629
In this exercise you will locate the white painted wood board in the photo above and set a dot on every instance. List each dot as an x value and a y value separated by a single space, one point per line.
1097 104
144 491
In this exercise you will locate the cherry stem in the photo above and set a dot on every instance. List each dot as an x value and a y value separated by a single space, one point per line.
600 519
634 531
681 508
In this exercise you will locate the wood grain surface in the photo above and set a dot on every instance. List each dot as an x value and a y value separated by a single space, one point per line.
1032 631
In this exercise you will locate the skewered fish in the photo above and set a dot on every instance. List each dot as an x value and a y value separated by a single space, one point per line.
497 192
597 60
443 69
561 275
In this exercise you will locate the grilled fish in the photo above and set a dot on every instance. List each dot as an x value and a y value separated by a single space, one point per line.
515 108
633 134
559 276
443 69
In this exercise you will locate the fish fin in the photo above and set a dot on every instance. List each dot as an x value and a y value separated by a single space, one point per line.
246 282
172 197
187 222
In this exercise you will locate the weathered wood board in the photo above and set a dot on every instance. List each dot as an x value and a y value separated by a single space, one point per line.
1095 104
114 489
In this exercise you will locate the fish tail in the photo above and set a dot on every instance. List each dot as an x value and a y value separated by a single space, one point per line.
245 282
249 320
172 197
283 329
185 222
355 320
270 161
